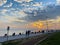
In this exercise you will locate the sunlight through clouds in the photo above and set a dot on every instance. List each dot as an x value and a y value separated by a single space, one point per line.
19 13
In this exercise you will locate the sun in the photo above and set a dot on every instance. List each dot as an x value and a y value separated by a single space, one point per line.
38 24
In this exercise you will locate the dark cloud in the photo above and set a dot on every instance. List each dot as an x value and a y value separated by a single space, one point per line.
51 12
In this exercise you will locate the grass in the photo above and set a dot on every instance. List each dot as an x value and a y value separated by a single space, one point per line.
53 40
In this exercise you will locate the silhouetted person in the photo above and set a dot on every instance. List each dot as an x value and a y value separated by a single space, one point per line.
8 32
5 35
19 33
8 28
39 31
13 34
43 31
26 33
32 32
51 30
35 32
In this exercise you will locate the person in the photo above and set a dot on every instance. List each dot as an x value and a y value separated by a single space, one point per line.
5 35
26 33
8 28
32 32
19 33
13 34
42 31
35 32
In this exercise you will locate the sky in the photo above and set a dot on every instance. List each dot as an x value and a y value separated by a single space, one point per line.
29 14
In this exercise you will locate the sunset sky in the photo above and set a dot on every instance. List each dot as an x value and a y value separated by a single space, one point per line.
29 14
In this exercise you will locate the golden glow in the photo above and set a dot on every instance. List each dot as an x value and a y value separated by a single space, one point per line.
52 24
38 24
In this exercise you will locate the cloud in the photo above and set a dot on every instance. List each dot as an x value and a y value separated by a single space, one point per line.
11 15
33 12
8 5
28 0
58 2
3 11
20 1
22 13
17 13
51 12
7 19
25 5
2 2
38 4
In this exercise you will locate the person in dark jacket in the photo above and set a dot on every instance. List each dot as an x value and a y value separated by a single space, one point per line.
28 32
13 34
